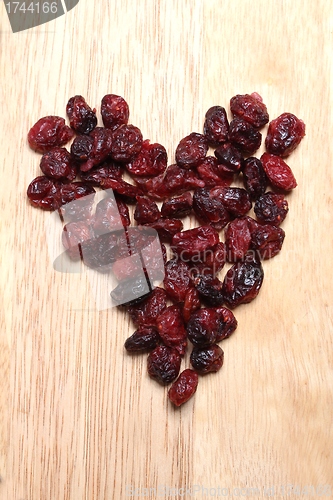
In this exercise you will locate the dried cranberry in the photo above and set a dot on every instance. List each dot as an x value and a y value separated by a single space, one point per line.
177 207
211 262
110 215
242 282
82 118
194 242
143 339
100 252
75 200
167 228
131 291
81 147
123 188
114 111
227 323
146 210
250 108
164 364
212 173
278 172
42 192
267 240
100 150
254 177
191 303
97 175
191 150
146 313
49 132
235 200
150 161
177 280
229 159
237 239
216 125
126 143
284 134
207 359
271 208
203 326
245 137
210 289
75 233
171 328
184 387
58 164
209 210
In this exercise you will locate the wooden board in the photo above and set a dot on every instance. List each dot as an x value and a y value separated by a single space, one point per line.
79 418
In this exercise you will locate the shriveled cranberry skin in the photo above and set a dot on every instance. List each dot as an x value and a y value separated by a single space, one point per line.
284 134
177 280
100 252
237 239
236 200
254 177
126 143
250 108
123 188
58 164
131 291
210 289
49 132
82 118
164 364
114 111
229 159
227 323
184 387
69 192
191 150
267 240
145 338
212 173
194 242
147 312
245 137
191 303
209 210
81 147
203 327
150 161
207 359
216 125
166 228
242 282
146 210
271 208
75 233
278 172
41 192
177 207
100 150
110 215
171 328
97 175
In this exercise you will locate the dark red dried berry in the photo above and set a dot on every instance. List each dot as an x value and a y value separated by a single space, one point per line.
126 143
49 132
245 137
146 210
267 240
227 323
237 239
235 200
250 108
177 280
191 303
207 359
145 338
81 147
150 161
75 233
210 289
284 134
75 199
166 228
58 164
97 175
203 326
194 242
146 313
191 150
131 291
213 174
110 215
211 262
229 159
100 150
164 364
41 192
210 210
114 111
254 177
177 207
184 387
216 125
82 118
100 252
171 328
123 188
243 282
271 208
278 172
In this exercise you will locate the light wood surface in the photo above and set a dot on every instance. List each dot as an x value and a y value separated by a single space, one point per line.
79 418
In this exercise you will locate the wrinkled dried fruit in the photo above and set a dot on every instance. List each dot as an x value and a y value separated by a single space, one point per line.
75 233
210 289
166 228
164 364
177 207
97 175
245 137
49 132
213 174
278 172
207 359
242 282
184 387
110 215
267 240
237 239
284 134
254 177
194 242
191 303
100 149
171 328
177 280
82 118
235 200
145 338
216 125
191 150
229 159
58 164
210 210
203 327
146 313
126 143
150 161
129 192
250 108
114 111
146 210
271 208
131 291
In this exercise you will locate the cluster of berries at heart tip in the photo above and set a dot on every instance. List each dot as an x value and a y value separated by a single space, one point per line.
191 305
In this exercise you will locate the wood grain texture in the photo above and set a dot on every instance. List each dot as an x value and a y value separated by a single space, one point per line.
79 418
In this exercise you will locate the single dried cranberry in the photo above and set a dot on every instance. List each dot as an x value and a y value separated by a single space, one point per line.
194 242
123 188
114 111
100 150
82 118
49 132
191 303
126 143
145 338
191 150
250 108
210 289
41 193
278 172
150 161
184 387
245 137
209 210
75 233
177 207
75 200
254 177
207 359
108 170
171 328
131 291
211 262
58 164
237 239
164 364
271 208
146 313
203 326
100 252
227 323
243 282
212 173
267 240
177 280
110 215
81 147
167 228
216 125
284 134
146 210
235 200
229 159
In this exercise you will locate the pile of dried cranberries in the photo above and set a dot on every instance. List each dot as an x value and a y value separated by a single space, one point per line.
194 304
